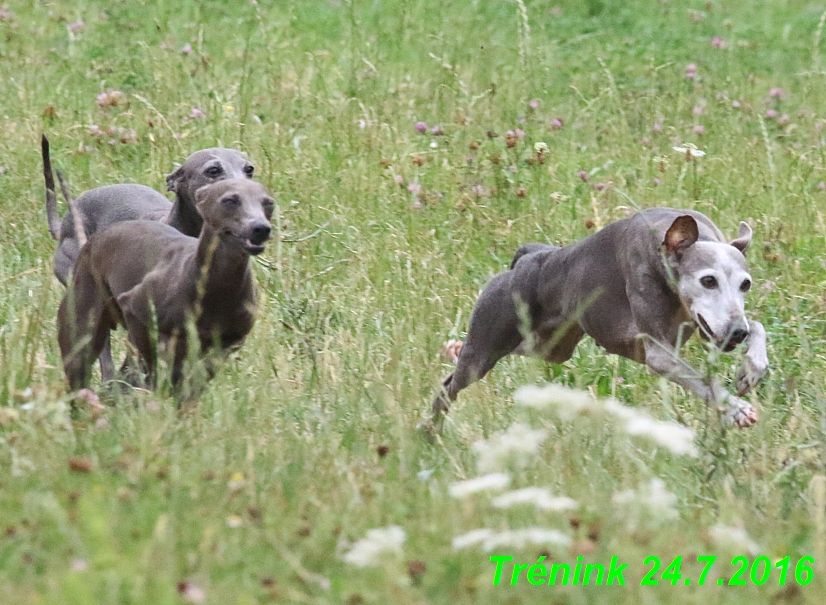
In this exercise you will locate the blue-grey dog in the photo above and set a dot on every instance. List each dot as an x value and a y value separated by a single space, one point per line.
639 288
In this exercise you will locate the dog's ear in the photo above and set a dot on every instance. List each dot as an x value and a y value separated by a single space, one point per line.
682 233
174 179
743 237
201 194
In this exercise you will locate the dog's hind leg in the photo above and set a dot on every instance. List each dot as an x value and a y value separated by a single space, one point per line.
83 328
493 333
107 366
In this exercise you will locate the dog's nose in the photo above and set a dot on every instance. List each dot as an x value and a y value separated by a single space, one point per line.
737 336
260 233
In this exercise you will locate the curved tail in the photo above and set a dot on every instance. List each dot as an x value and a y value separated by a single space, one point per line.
51 198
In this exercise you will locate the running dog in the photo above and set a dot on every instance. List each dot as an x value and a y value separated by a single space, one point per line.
639 287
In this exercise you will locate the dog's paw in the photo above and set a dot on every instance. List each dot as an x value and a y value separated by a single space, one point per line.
740 413
452 349
430 428
750 373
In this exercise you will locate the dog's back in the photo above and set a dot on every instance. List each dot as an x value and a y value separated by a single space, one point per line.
123 254
100 208
531 248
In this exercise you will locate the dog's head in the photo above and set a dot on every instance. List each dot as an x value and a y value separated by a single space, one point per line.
239 210
712 280
205 167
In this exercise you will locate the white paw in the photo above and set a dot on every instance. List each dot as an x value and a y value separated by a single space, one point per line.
750 373
740 413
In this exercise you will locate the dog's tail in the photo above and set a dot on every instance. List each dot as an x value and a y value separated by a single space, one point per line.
51 197
526 249
64 188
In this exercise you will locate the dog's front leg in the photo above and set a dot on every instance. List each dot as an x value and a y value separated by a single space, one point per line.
756 361
665 362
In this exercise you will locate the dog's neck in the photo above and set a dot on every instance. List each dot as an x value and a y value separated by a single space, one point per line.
224 266
184 217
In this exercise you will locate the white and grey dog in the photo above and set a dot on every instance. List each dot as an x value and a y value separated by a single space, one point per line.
639 288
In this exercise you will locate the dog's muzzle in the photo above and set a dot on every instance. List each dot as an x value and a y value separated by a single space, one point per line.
728 344
705 330
735 337
260 233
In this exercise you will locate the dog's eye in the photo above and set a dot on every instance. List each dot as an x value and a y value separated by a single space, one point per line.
249 171
709 281
213 171
745 286
232 200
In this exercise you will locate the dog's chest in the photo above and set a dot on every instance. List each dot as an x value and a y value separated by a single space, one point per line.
225 326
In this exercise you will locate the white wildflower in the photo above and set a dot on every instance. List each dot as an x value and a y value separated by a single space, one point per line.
567 402
492 481
514 538
614 407
679 439
689 150
371 551
676 437
648 505
424 474
519 442
519 538
472 538
735 537
540 148
540 497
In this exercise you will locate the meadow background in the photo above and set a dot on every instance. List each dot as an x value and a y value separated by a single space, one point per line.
307 439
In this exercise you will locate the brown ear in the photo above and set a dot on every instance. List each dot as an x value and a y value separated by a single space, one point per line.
174 179
743 237
681 234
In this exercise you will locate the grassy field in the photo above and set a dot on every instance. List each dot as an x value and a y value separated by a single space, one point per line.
307 439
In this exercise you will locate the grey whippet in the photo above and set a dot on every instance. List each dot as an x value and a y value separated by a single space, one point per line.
632 287
144 273
105 206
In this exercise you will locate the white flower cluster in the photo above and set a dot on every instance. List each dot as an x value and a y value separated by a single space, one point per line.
539 497
733 537
568 403
372 550
514 538
491 481
650 505
517 444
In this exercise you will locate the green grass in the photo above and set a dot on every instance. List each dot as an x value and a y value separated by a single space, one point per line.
366 285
